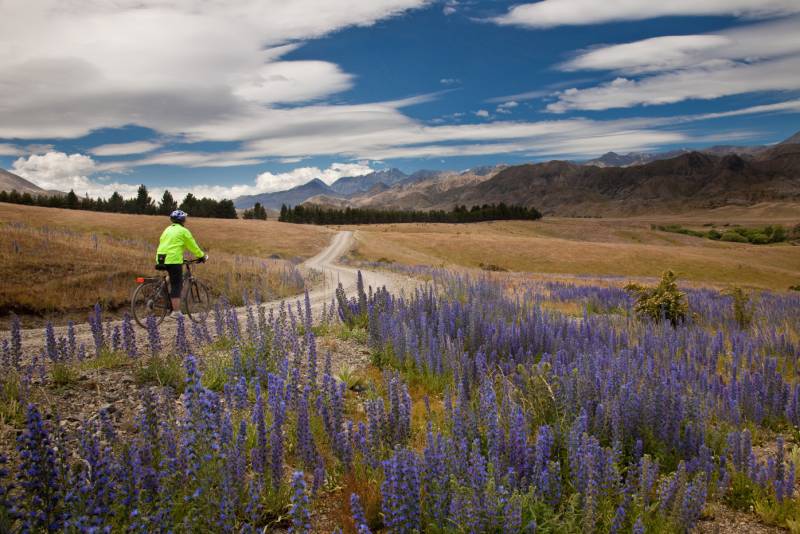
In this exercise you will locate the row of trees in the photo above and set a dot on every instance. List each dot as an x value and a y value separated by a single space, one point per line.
257 212
313 214
141 204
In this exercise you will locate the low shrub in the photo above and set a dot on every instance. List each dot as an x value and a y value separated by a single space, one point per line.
663 302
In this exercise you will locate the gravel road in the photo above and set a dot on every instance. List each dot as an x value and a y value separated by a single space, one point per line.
325 262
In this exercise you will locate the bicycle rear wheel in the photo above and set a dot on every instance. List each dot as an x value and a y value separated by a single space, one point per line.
197 300
150 298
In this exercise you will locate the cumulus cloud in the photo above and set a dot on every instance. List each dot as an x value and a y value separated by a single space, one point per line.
79 172
56 170
482 113
550 13
125 149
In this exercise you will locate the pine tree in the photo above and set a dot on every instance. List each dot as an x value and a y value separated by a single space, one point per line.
168 204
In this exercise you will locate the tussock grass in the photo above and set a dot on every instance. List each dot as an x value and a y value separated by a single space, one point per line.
597 247
62 262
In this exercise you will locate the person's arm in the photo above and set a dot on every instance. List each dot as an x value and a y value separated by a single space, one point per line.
191 244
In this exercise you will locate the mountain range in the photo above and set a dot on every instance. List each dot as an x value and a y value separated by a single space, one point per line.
608 185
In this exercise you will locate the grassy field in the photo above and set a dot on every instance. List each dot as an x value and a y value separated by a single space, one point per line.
603 247
58 262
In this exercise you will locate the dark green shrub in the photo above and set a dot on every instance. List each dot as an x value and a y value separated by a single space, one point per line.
713 234
734 237
663 302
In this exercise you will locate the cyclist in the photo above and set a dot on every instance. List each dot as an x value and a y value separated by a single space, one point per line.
169 257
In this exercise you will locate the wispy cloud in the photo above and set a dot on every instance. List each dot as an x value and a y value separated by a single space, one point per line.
125 149
550 13
701 83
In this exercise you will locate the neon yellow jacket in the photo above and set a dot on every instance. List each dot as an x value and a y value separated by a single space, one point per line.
174 240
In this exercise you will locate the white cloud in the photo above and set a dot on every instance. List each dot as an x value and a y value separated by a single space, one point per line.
450 7
789 106
62 172
701 83
169 66
550 13
749 43
506 107
293 81
482 113
449 81
9 150
267 181
56 170
125 149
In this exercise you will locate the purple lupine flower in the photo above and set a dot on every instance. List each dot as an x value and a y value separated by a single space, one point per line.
693 501
6 348
319 476
301 518
240 394
128 336
51 348
305 441
259 453
16 340
359 518
116 339
81 352
71 345
400 491
619 520
95 483
41 492
96 323
638 527
181 342
218 318
277 402
153 336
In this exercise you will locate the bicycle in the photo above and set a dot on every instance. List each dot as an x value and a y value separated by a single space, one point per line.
151 297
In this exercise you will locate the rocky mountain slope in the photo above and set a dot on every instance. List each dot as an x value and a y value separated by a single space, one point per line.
614 184
293 196
10 181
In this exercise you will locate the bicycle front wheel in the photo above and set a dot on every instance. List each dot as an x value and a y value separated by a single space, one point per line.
197 300
150 298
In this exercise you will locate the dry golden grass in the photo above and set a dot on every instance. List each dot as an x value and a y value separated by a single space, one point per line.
623 247
235 236
59 263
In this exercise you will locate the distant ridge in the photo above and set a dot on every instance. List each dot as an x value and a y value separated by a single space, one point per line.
612 184
10 181
351 185
793 140
293 196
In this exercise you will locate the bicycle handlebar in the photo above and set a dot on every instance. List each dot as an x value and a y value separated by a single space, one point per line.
196 260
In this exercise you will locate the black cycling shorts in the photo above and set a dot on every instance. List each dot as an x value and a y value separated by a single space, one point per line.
175 271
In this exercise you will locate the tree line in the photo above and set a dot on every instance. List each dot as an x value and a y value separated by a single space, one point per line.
256 212
141 204
313 214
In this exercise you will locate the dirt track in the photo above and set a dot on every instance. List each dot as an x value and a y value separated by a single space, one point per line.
325 262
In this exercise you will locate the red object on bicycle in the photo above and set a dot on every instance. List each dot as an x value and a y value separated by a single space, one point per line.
140 280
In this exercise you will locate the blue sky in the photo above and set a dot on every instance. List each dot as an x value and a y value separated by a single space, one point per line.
228 98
